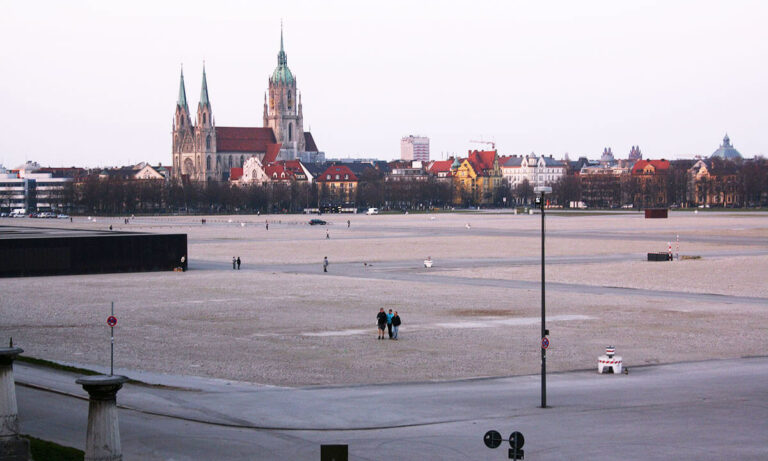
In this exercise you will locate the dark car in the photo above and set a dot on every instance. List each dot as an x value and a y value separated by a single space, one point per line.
317 222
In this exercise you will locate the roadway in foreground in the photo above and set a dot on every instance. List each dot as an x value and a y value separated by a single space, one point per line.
696 410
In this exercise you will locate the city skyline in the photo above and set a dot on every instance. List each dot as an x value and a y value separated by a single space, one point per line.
95 85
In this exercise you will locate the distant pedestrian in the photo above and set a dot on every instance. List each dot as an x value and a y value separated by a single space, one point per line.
389 323
325 264
110 227
395 325
327 234
348 223
234 262
70 219
266 224
238 263
381 320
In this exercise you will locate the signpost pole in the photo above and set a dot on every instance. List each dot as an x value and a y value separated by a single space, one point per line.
112 344
543 316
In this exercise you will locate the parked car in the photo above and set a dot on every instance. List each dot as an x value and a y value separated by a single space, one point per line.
63 216
372 211
317 222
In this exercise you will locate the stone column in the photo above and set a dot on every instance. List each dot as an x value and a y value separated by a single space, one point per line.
12 447
102 442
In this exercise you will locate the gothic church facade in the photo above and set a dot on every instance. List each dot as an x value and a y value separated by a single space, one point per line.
205 152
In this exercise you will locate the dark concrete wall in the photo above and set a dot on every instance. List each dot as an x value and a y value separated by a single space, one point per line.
91 254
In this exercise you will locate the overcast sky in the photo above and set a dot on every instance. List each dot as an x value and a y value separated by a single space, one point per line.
95 83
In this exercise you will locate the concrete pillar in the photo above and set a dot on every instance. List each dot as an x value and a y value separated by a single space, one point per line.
102 442
12 447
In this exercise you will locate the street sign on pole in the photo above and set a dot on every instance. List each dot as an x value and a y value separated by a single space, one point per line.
544 342
112 321
492 439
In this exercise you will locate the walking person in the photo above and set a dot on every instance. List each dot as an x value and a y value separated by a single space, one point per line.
238 263
325 264
266 224
234 261
395 325
389 323
381 320
327 234
348 223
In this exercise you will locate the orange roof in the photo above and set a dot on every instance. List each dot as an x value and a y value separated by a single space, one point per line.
235 174
659 166
481 160
440 166
272 151
342 171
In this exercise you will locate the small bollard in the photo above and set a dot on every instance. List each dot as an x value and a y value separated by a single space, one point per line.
102 441
12 447
334 452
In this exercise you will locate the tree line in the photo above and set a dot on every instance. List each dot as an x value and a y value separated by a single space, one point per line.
95 195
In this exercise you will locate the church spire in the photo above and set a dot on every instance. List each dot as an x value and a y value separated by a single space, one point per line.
204 91
182 101
282 59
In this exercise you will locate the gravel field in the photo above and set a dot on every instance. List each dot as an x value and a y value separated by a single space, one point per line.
281 321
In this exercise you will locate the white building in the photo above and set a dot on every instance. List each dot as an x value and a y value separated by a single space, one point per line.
414 148
31 190
539 171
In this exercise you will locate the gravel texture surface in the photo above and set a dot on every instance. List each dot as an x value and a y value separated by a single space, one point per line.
281 321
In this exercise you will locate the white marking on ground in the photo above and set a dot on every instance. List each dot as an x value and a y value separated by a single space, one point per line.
486 323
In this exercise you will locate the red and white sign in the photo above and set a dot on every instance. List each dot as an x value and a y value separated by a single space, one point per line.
544 342
111 320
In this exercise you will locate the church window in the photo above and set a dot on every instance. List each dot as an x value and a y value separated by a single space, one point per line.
208 163
242 161
205 118
230 162
207 141
218 160
290 132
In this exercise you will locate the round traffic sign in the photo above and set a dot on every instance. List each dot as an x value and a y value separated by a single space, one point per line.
516 439
492 439
111 320
544 342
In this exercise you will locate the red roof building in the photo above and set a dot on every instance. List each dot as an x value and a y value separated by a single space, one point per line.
240 139
646 167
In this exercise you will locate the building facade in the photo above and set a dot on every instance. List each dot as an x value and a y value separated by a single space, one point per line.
538 171
414 148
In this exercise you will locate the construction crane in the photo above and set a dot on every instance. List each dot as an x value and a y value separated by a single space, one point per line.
492 143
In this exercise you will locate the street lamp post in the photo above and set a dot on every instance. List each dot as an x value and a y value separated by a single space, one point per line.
541 191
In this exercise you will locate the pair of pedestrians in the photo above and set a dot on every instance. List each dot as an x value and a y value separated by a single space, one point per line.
235 263
390 321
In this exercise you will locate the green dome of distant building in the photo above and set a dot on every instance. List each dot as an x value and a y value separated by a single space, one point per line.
726 150
282 73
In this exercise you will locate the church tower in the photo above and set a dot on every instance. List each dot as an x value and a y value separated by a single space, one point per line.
205 135
183 137
282 110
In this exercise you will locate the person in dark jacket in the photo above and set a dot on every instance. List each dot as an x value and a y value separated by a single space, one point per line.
381 321
389 323
395 325
238 263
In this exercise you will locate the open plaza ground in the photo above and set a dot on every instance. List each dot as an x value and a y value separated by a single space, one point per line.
281 321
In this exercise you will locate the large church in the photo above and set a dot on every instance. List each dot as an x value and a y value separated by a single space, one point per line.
205 152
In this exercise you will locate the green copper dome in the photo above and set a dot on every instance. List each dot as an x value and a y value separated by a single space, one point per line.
282 73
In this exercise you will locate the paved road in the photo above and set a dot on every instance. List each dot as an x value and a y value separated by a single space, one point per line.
698 410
